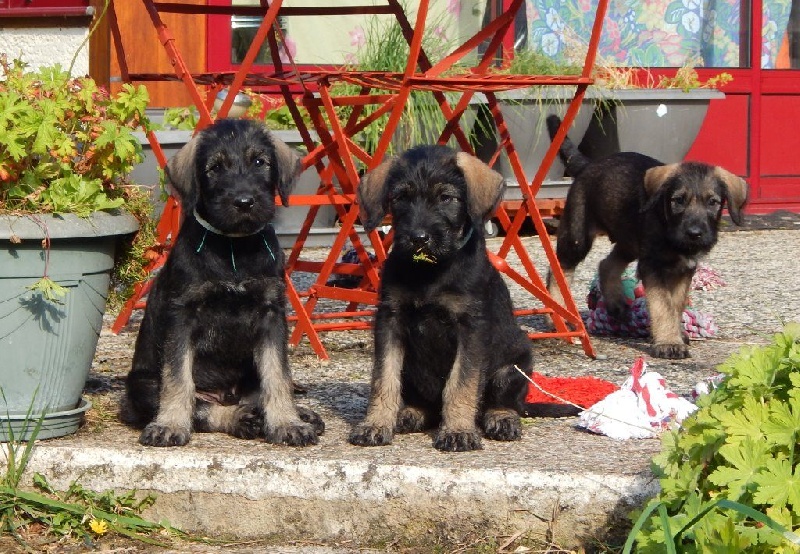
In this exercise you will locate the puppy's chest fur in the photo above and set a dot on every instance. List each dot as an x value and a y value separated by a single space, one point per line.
431 305
228 289
417 290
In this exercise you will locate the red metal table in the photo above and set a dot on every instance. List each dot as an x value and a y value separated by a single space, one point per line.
335 155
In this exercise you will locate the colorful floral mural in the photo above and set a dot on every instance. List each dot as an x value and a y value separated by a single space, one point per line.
653 33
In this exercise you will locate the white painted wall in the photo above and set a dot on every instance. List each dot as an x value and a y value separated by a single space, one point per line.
49 46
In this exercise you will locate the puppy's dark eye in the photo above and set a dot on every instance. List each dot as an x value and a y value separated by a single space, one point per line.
447 198
714 203
259 162
399 194
679 200
214 167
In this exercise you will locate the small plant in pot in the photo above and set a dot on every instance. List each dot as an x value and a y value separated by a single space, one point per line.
66 147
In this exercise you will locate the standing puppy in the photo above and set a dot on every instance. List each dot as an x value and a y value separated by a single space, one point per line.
666 216
211 353
446 340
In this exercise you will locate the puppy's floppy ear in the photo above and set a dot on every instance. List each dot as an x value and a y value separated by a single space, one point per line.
485 186
181 175
654 179
289 168
657 176
372 194
736 191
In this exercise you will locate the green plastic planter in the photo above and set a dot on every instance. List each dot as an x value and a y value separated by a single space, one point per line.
46 349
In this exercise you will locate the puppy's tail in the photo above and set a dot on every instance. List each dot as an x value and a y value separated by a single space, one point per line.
543 409
574 160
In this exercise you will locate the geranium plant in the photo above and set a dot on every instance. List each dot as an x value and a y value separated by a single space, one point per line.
731 475
66 144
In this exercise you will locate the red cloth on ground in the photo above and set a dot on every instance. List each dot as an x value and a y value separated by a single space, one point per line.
583 391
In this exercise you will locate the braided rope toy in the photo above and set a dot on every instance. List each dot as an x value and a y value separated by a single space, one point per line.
697 325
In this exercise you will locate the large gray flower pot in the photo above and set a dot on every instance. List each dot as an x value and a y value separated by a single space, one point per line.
662 123
47 348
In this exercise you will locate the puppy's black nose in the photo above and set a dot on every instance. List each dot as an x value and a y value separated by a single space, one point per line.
244 203
694 233
419 238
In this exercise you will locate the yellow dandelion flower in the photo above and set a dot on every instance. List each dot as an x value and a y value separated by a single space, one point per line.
98 526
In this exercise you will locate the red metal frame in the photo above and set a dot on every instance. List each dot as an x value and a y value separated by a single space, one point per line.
335 155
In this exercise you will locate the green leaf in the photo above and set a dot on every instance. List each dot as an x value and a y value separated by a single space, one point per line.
778 484
745 423
13 143
783 426
746 460
638 524
49 289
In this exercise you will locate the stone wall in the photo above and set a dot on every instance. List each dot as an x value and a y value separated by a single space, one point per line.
46 46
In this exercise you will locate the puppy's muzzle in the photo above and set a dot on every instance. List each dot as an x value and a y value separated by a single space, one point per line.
694 232
244 203
419 239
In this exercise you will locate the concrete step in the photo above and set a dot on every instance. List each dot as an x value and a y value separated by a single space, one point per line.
558 484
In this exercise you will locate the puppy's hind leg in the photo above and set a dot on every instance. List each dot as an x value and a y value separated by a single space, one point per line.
140 403
414 419
610 274
143 384
574 241
244 420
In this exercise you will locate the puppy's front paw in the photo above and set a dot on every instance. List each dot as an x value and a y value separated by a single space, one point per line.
365 435
249 422
161 435
292 435
503 427
671 351
311 417
457 441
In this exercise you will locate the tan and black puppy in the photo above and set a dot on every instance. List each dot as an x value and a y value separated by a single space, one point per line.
666 216
211 354
446 340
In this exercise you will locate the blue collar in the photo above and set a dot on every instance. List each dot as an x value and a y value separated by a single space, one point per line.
208 227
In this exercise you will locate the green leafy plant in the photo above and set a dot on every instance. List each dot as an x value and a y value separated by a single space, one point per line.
730 477
687 78
280 118
66 144
532 62
136 253
184 118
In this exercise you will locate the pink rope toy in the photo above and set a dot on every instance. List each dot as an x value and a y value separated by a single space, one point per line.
697 325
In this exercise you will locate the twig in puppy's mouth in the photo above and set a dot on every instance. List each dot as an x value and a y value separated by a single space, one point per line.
420 256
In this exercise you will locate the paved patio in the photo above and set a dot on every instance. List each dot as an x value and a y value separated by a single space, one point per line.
558 484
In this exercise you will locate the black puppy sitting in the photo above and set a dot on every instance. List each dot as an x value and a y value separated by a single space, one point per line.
446 341
666 216
211 352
